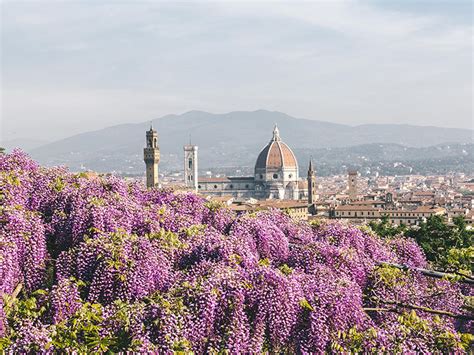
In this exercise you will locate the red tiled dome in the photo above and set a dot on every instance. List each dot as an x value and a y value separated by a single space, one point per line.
276 155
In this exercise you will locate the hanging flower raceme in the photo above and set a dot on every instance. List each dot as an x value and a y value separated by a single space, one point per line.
93 263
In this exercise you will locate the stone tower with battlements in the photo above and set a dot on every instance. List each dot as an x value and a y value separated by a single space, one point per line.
151 156
352 184
191 166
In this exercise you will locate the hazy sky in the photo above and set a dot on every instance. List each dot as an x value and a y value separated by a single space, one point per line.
72 66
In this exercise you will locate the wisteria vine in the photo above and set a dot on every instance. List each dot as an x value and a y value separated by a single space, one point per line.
95 263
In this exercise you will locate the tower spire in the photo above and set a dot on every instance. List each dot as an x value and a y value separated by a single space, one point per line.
276 133
310 168
311 188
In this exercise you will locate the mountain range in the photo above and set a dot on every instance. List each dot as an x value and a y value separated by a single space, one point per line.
233 139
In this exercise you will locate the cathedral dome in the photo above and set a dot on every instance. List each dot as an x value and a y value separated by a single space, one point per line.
276 155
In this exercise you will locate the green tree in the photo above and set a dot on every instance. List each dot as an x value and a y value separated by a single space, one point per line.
447 246
385 229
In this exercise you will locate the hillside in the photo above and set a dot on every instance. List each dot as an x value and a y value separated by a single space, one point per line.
233 138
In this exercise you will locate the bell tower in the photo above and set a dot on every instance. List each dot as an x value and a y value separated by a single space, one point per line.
151 156
352 184
191 166
311 183
311 188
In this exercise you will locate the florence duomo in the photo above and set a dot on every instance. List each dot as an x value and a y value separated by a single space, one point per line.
275 176
276 173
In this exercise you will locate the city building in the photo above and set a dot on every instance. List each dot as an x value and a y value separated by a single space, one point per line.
276 176
191 166
360 213
358 198
151 156
352 185
295 209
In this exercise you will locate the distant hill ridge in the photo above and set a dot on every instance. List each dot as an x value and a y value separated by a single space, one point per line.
238 135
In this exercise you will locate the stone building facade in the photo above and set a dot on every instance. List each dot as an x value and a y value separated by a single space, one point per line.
151 156
191 166
276 176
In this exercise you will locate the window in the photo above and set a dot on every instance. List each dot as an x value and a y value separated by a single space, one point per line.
190 163
247 186
261 176
275 176
290 176
199 186
231 186
215 186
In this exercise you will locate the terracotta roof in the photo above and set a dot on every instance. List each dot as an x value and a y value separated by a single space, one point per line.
276 155
419 209
267 204
282 204
302 184
427 209
356 208
246 178
226 179
213 179
225 198
367 203
236 207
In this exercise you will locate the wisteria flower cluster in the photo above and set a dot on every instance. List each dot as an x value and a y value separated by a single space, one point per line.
95 263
